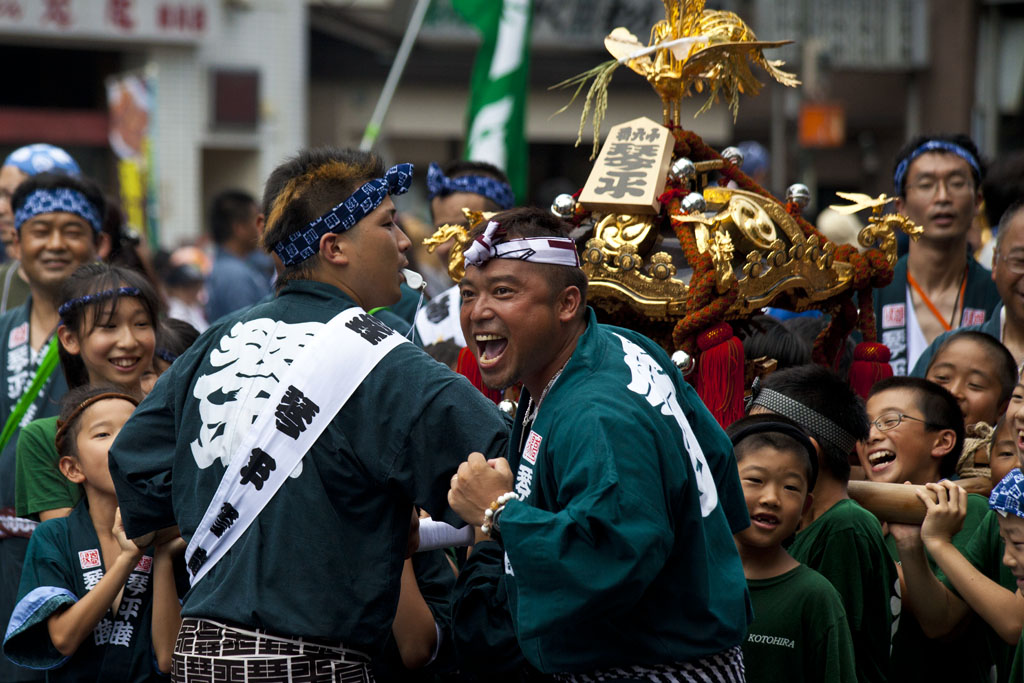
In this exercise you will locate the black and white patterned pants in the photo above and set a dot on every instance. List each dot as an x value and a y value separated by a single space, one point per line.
722 667
210 652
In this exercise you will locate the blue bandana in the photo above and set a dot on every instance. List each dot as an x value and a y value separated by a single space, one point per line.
39 158
301 245
58 199
498 192
933 146
1008 495
98 296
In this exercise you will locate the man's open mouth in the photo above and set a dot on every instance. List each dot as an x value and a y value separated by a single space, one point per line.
491 346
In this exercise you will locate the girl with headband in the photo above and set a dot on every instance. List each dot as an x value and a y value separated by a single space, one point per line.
107 337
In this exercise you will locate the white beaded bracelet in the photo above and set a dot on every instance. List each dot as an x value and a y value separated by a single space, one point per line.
496 507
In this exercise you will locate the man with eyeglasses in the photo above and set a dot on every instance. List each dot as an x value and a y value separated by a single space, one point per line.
936 287
1007 322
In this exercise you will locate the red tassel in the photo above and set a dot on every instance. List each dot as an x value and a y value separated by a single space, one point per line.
870 364
720 373
468 368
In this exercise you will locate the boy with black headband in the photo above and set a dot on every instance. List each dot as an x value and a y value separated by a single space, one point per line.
58 222
799 632
611 521
838 537
303 428
935 287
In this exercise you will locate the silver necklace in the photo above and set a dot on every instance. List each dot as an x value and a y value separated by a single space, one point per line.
531 409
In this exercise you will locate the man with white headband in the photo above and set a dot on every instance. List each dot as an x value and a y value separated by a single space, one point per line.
299 435
58 220
935 286
610 524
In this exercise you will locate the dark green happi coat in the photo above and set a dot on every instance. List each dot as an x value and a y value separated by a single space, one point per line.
63 563
324 557
622 552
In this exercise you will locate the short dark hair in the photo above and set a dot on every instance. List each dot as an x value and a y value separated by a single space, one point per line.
462 167
822 390
227 209
958 139
307 186
175 336
779 440
1006 366
532 222
939 408
91 278
767 336
52 180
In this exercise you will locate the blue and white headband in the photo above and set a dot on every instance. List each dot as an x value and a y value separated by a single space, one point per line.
62 199
301 245
498 192
933 146
71 304
556 251
1007 496
40 158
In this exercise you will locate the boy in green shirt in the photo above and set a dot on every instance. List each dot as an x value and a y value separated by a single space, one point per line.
839 538
917 436
799 632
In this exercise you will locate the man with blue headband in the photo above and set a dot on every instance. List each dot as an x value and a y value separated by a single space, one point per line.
20 164
58 220
299 435
472 185
936 287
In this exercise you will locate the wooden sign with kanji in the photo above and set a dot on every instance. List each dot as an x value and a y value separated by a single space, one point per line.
630 171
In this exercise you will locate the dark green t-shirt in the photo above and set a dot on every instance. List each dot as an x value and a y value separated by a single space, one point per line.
984 550
799 632
39 484
846 546
917 657
622 553
338 528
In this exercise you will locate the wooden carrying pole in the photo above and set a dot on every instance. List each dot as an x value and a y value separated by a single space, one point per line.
898 503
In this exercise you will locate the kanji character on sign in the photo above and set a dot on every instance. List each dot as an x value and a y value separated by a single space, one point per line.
121 634
620 183
197 560
137 583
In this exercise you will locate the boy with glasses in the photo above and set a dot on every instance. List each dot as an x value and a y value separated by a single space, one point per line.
935 287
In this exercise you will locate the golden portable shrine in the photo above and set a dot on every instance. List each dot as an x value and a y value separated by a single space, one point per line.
677 241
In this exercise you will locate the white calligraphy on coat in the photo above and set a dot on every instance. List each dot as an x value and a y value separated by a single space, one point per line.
250 360
651 382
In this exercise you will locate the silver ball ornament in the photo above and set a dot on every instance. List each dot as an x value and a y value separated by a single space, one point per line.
508 407
564 206
694 203
683 361
799 194
733 154
682 169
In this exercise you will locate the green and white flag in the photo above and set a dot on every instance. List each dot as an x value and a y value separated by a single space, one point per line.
496 120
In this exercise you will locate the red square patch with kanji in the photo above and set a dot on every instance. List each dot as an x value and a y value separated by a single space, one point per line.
19 336
89 559
145 564
893 315
532 448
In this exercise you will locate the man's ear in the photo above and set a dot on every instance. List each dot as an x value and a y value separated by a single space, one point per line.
945 439
103 246
569 302
808 502
335 249
70 468
69 340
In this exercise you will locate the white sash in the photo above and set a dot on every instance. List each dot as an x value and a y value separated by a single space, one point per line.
315 387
